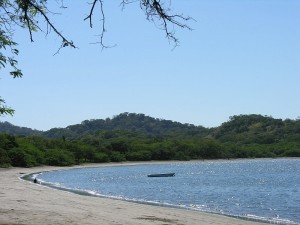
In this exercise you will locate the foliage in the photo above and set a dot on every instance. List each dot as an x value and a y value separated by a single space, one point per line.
132 123
4 158
4 110
139 156
100 157
126 137
247 129
58 157
8 128
117 157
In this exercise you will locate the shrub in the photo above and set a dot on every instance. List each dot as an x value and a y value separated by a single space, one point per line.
117 157
20 158
292 153
101 157
57 157
4 159
181 156
139 156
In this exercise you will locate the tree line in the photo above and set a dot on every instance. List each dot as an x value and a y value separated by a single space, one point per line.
128 137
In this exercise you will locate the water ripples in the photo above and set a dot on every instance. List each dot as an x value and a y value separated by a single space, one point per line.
263 190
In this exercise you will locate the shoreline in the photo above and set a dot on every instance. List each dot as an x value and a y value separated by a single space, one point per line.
23 202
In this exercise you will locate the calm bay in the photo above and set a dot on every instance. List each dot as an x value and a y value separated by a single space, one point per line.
257 189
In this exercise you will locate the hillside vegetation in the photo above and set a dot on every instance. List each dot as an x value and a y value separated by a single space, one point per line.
133 137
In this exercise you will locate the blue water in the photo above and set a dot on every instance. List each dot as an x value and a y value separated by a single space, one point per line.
264 190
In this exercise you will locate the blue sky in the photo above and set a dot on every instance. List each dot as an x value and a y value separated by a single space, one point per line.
242 57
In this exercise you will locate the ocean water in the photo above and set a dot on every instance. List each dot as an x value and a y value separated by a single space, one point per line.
264 190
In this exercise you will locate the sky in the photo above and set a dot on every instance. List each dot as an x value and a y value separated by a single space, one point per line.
242 57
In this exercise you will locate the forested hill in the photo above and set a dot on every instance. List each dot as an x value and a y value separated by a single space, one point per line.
245 129
137 123
136 137
258 129
8 128
132 122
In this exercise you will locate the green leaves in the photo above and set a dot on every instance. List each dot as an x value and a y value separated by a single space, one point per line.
16 73
4 110
7 54
7 46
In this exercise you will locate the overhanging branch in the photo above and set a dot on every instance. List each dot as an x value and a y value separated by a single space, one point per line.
26 6
154 10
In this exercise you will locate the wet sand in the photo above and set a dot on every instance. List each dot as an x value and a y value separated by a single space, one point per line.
23 202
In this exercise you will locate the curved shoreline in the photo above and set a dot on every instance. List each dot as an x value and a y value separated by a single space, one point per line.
24 202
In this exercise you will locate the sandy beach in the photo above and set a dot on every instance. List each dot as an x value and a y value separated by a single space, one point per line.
23 202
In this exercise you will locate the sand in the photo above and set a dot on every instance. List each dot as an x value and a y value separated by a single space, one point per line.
23 202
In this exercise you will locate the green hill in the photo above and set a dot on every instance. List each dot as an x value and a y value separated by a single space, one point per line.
258 129
133 137
138 123
8 128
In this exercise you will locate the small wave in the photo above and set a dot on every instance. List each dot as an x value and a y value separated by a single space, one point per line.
195 207
30 177
194 188
270 220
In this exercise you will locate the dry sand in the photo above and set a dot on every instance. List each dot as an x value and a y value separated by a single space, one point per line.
23 202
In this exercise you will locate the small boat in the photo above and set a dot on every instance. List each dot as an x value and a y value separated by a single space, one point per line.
162 175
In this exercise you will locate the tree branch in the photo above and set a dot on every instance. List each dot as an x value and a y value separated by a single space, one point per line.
4 110
31 24
103 19
154 10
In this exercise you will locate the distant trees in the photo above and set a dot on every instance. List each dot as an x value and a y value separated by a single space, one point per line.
262 137
257 129
59 157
